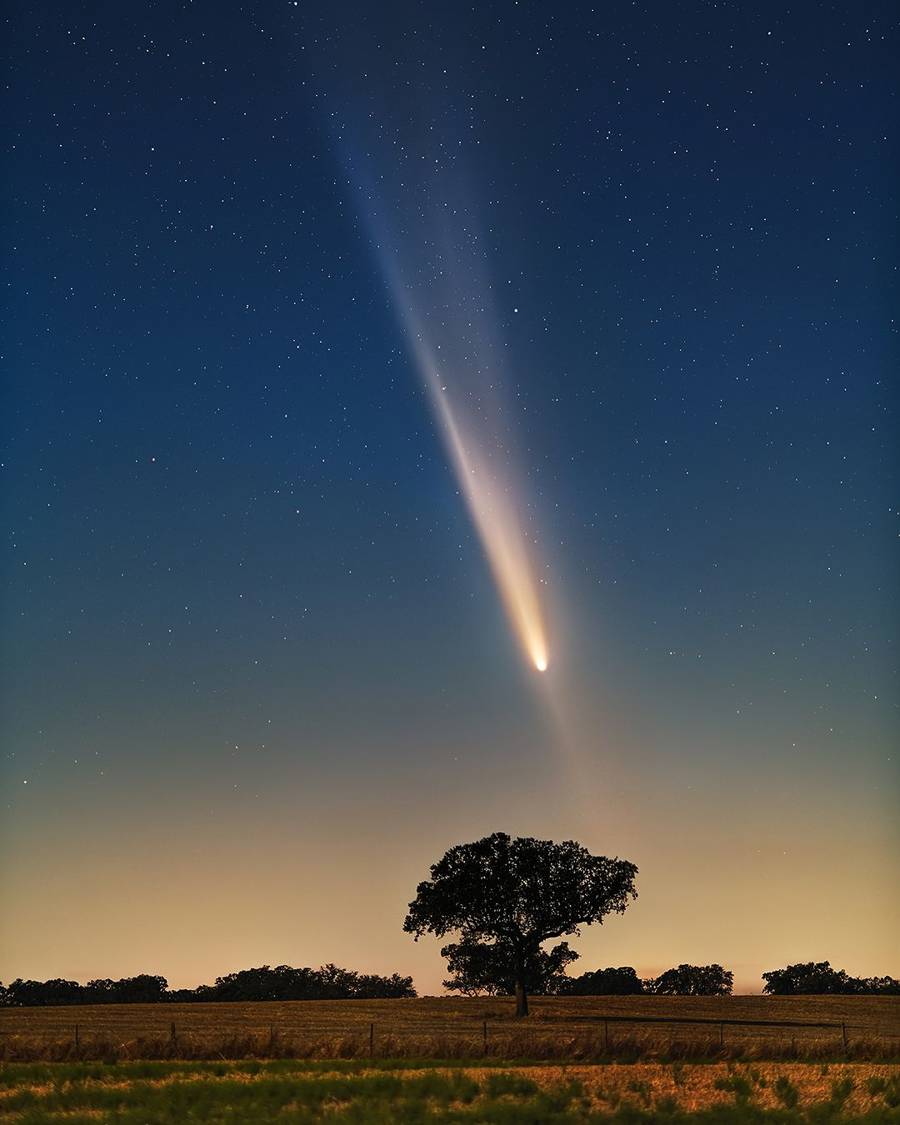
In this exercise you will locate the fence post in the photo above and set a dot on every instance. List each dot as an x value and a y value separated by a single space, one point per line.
371 1039
606 1035
484 1032
844 1036
172 1035
721 1034
77 1041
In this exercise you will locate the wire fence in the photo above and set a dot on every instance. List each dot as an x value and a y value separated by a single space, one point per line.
557 1036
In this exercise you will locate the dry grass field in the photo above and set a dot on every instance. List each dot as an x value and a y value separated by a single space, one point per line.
490 1094
559 1028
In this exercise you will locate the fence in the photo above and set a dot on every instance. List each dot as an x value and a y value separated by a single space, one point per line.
580 1036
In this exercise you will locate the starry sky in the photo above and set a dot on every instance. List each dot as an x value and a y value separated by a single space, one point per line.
257 672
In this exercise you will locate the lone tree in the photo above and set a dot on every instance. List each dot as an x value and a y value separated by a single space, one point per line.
509 896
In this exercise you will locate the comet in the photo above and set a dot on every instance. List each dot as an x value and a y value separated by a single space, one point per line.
490 498
433 263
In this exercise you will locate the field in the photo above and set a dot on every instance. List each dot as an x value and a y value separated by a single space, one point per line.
605 1059
301 1093
558 1028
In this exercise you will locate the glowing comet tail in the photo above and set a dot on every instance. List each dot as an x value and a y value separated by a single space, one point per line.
490 501
472 425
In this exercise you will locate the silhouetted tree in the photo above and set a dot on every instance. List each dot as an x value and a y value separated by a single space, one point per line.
878 986
97 991
394 987
517 894
40 994
142 989
623 981
327 983
264 983
819 978
479 968
813 977
693 980
145 988
202 994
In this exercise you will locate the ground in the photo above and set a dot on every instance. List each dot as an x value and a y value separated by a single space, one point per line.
298 1092
431 1061
571 1027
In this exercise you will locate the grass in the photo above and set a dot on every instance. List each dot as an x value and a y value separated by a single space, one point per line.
559 1028
304 1092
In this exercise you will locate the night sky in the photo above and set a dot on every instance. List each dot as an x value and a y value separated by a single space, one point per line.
258 673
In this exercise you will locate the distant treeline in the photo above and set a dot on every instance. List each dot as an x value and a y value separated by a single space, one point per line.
811 979
332 983
281 983
818 977
683 980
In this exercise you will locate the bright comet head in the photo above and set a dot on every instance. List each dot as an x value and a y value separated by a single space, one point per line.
541 664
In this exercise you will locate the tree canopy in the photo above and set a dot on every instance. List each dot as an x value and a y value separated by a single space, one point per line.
483 968
512 895
819 978
623 981
693 980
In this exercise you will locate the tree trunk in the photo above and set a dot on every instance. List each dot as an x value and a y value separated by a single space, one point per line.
521 999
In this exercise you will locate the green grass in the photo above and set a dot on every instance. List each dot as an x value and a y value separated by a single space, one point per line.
345 1093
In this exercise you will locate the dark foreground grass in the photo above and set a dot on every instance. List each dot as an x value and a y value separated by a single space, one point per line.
302 1093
